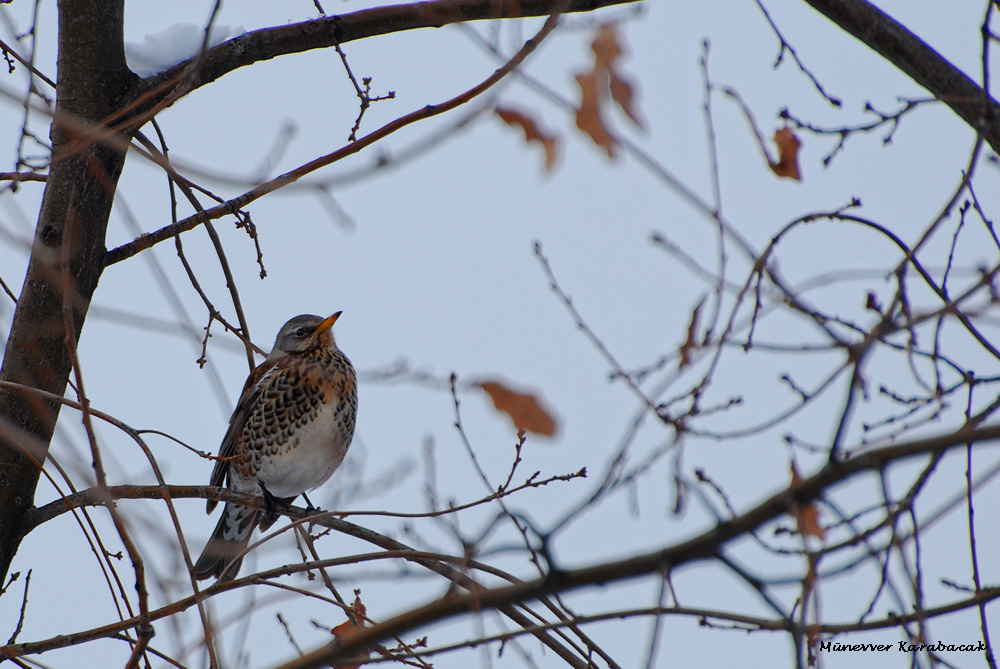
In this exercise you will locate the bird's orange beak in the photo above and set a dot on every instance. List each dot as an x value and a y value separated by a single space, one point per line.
328 323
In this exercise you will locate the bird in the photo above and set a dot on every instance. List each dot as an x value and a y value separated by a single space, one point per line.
290 431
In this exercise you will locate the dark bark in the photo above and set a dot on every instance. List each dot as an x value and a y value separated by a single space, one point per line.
873 27
707 545
67 251
919 61
328 31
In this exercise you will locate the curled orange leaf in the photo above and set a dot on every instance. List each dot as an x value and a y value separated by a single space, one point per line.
532 132
606 48
588 116
622 92
524 409
690 345
605 77
788 154
348 627
806 515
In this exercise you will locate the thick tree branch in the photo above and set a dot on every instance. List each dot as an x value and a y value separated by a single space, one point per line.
229 207
919 61
704 546
99 497
701 547
329 31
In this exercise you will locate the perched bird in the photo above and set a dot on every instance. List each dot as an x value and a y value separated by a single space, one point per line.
289 433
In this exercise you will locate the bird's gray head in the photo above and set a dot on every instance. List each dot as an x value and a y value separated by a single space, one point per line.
304 333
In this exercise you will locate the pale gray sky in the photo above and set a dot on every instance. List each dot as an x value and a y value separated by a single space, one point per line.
432 262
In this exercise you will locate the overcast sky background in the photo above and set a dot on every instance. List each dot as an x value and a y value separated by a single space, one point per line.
432 263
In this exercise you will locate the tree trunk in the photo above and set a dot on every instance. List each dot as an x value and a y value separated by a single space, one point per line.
67 255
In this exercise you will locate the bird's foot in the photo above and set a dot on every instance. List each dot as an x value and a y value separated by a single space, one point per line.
309 505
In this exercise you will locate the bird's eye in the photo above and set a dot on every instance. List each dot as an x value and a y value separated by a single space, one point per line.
300 332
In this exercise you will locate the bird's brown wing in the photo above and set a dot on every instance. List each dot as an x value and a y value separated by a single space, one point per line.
258 380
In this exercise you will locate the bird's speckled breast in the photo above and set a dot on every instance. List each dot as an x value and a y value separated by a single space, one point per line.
302 425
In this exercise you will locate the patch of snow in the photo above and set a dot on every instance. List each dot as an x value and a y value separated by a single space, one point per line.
177 43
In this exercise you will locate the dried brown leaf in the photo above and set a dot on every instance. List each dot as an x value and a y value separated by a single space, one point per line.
606 48
788 154
691 343
532 132
588 117
348 627
524 409
814 636
806 515
788 144
596 84
623 92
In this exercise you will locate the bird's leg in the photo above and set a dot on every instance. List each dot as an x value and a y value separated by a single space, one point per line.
309 505
311 508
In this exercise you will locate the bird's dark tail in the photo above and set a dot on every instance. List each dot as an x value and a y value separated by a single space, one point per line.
231 537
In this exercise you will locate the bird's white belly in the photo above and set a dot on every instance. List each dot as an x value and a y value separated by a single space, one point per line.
311 456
